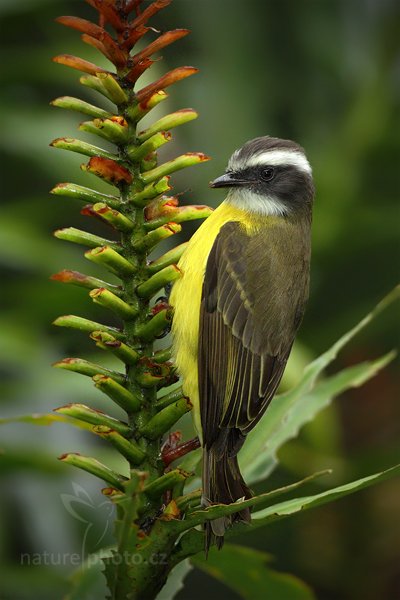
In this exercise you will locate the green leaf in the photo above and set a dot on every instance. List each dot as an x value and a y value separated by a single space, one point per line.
245 571
193 542
215 511
290 507
46 420
285 417
288 412
175 581
23 459
88 581
25 581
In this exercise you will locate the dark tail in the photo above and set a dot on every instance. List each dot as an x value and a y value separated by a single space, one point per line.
223 484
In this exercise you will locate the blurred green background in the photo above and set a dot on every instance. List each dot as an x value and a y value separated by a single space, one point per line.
325 73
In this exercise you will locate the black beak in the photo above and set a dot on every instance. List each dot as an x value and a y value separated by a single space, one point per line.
227 180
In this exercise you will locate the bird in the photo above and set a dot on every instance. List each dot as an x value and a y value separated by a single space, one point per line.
238 306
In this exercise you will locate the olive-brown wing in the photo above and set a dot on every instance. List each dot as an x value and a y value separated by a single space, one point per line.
248 320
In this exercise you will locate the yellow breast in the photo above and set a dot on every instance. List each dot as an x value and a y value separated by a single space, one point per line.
186 297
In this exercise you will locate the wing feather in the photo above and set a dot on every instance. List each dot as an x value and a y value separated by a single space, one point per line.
253 297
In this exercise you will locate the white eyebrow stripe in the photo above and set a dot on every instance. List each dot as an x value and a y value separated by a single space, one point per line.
278 158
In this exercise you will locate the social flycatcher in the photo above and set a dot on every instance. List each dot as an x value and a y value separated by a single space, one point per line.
238 305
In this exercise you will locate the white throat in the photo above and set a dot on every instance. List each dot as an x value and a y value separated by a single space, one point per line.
256 203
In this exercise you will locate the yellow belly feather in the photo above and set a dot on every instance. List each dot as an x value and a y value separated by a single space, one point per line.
186 297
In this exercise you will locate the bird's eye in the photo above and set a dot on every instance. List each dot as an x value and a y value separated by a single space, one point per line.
267 174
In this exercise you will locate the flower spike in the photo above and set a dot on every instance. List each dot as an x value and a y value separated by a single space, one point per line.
141 217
